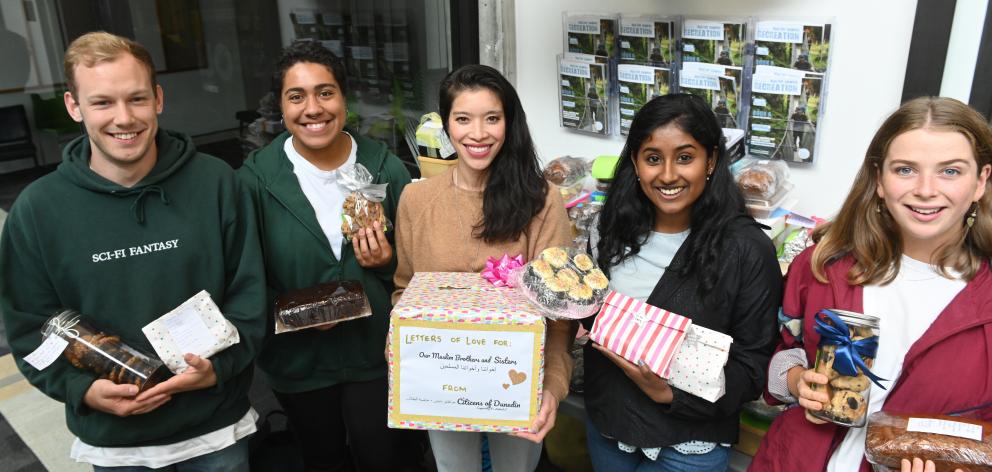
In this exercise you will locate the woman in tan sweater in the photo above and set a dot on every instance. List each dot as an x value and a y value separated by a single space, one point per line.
493 202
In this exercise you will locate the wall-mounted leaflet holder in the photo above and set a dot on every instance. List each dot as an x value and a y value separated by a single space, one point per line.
638 85
648 40
648 54
585 100
788 89
594 34
715 66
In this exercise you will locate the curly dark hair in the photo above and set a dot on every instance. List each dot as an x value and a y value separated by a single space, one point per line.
515 188
628 216
306 50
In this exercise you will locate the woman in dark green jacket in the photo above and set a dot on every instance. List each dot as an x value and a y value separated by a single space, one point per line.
331 380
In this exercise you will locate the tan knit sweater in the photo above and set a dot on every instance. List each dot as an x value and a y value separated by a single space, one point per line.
434 234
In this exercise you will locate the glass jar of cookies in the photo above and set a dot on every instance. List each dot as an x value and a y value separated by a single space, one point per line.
848 405
104 354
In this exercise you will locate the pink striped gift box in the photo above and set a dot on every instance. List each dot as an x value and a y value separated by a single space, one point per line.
638 331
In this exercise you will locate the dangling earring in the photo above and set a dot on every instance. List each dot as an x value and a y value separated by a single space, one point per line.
878 208
971 217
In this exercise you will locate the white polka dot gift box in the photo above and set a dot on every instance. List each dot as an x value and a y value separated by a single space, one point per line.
196 326
698 365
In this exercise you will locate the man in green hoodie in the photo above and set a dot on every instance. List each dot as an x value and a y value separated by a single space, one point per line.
132 223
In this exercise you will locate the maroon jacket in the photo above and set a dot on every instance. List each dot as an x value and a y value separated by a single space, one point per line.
946 370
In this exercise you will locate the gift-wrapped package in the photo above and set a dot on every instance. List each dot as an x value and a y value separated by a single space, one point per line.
104 354
639 332
698 365
464 355
196 326
951 442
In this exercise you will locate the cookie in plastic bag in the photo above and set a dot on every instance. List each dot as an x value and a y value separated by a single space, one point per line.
363 206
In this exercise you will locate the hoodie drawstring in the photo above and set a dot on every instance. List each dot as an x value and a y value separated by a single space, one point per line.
138 207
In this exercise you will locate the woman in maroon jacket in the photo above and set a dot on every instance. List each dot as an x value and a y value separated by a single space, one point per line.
911 246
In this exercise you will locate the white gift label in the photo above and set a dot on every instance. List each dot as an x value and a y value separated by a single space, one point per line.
49 350
945 427
189 332
465 373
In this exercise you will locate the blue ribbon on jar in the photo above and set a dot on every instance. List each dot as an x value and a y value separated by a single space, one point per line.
848 357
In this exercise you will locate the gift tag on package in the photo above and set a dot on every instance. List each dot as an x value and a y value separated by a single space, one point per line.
47 352
197 326
698 365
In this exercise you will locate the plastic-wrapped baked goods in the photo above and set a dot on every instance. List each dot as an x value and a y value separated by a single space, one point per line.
564 283
566 171
104 354
889 440
761 179
363 206
320 304
568 174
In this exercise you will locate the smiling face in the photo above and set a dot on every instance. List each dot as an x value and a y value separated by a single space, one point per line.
477 127
119 106
313 109
929 180
672 167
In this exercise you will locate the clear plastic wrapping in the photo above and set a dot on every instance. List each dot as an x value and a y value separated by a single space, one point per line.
891 438
567 170
363 206
321 304
564 283
761 179
104 354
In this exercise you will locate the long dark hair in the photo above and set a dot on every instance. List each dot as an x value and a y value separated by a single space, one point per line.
515 189
628 216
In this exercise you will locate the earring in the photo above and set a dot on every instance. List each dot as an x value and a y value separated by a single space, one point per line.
971 217
878 208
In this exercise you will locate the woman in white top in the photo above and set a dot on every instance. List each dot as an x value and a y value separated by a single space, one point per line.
910 246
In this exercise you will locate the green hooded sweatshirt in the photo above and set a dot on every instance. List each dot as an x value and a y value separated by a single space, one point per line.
123 257
298 255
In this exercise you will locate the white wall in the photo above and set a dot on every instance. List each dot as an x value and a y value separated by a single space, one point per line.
962 51
870 46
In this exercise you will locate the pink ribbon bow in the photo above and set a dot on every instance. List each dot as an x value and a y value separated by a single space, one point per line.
498 270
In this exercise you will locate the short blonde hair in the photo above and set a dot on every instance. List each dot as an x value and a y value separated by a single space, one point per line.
99 46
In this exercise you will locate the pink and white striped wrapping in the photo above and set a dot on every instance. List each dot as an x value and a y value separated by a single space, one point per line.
639 332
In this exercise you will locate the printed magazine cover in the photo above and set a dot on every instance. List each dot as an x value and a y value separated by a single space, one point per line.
584 98
638 85
590 35
784 115
714 42
792 45
647 41
719 85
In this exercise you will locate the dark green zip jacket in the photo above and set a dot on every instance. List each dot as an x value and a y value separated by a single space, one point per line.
123 257
298 255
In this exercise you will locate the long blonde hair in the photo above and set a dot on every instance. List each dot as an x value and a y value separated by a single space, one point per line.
866 231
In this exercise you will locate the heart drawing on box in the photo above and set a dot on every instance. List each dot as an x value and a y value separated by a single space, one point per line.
517 377
506 386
